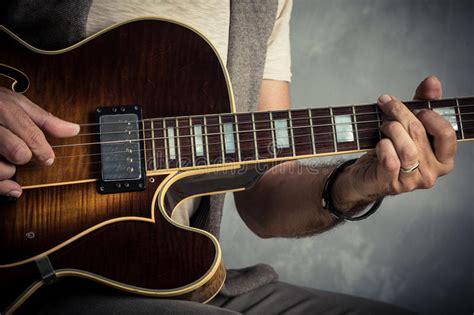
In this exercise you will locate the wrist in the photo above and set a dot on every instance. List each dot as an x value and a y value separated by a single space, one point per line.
349 193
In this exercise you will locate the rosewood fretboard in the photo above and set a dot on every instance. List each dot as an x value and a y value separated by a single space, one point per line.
247 137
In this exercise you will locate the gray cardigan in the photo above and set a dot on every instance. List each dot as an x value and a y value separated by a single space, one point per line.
54 24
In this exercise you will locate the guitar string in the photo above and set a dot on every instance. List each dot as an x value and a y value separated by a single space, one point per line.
252 148
231 117
349 107
189 127
214 134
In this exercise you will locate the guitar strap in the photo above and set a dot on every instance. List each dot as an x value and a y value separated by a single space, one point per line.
46 270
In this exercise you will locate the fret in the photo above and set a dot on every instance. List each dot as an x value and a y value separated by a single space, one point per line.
466 108
148 144
429 105
290 121
193 141
254 136
198 138
283 140
333 129
379 120
323 131
368 131
343 118
246 139
459 118
355 127
230 145
264 135
313 141
236 124
301 126
272 130
152 127
221 133
207 140
165 135
177 140
215 144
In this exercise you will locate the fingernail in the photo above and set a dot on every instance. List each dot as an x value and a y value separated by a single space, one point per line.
49 162
416 111
77 128
14 194
384 99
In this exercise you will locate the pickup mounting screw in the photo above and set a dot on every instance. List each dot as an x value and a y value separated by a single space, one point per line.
114 109
30 235
102 188
99 110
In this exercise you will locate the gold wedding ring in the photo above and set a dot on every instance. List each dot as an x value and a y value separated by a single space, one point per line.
411 168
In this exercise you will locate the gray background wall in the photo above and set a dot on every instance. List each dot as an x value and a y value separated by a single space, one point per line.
417 250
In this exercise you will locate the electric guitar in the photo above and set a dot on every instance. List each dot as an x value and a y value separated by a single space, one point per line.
156 110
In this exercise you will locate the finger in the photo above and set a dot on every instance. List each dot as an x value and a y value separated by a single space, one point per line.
388 164
444 136
10 188
54 126
17 121
396 110
404 145
13 148
429 89
7 170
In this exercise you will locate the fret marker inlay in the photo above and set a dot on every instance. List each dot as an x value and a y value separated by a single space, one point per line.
448 113
281 134
198 142
229 138
171 143
344 130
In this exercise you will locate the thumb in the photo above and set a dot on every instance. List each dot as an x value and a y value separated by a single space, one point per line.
429 89
52 125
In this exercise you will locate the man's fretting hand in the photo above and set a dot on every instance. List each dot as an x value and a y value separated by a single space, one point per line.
406 144
22 124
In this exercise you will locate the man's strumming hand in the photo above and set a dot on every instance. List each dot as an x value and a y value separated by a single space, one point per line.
22 124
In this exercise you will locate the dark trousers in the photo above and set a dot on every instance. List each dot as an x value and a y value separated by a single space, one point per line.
74 296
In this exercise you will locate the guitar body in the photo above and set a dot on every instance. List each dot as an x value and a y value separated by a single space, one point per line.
123 240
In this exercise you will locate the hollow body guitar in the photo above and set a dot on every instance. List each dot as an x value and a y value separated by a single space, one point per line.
156 108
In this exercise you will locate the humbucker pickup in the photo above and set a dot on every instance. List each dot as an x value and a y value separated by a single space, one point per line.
121 149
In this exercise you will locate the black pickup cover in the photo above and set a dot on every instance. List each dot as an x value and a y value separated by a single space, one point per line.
122 156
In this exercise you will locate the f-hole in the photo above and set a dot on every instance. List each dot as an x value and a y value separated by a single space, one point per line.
21 83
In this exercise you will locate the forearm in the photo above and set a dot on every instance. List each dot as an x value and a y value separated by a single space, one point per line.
286 201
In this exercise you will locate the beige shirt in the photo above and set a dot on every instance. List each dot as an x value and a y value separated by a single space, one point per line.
211 18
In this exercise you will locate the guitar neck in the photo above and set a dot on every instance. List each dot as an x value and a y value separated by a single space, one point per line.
183 142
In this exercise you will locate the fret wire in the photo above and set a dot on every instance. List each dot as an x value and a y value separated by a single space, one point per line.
193 141
207 141
153 143
237 137
460 118
355 127
379 119
313 140
333 129
272 126
222 138
291 133
254 136
429 105
177 140
165 140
